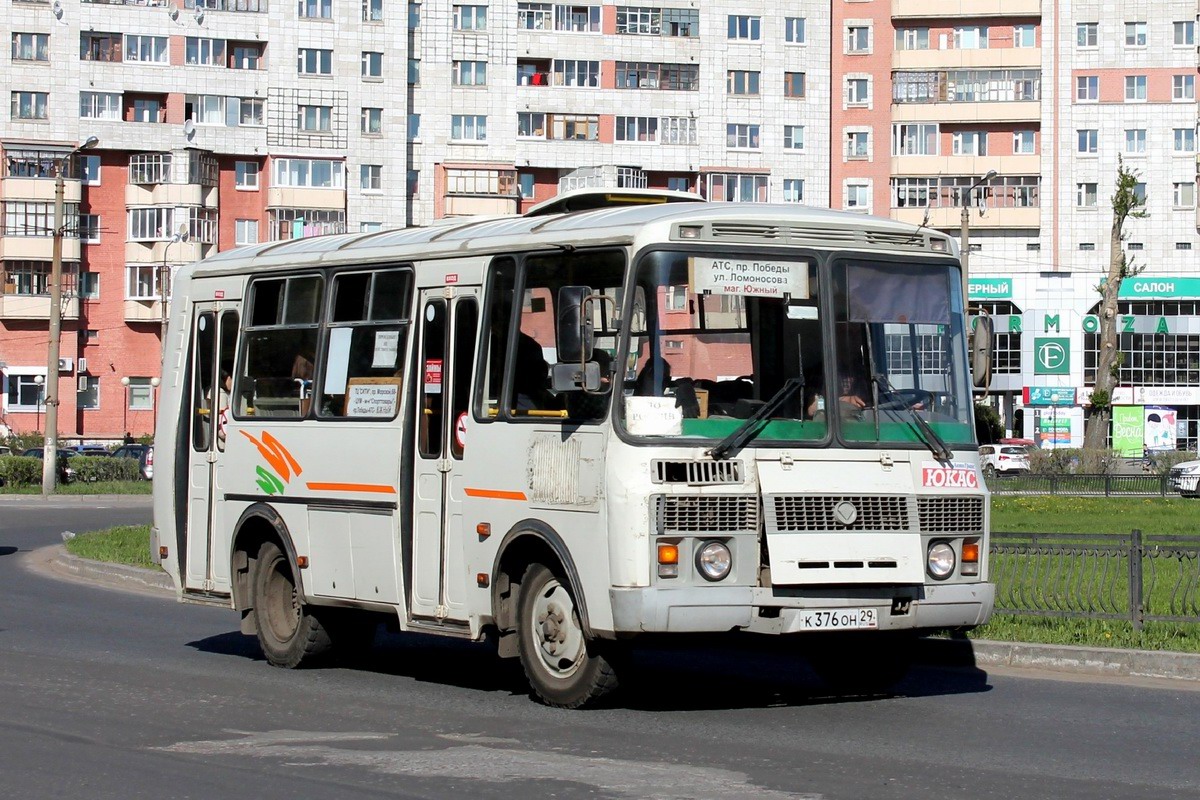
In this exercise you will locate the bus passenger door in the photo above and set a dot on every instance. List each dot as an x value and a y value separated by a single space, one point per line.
449 326
214 337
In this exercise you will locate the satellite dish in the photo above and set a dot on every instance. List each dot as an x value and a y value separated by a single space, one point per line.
189 129
173 12
184 232
57 9
199 16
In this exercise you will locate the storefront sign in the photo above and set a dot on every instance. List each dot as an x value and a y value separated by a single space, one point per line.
1166 395
1164 286
1128 430
1049 395
989 288
1052 356
1121 395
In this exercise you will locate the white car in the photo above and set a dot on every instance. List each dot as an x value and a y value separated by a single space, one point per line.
1184 478
1003 459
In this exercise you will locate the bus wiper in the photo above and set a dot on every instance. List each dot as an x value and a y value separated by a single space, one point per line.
936 444
747 429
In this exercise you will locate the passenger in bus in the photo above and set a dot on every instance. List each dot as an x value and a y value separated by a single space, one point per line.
224 395
531 378
653 378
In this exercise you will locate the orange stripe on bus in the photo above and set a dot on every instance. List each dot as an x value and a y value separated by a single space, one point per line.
374 488
495 494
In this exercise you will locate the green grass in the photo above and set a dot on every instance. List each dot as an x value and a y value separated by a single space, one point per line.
1061 514
125 544
83 487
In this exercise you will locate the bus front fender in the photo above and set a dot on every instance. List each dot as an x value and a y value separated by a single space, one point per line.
527 542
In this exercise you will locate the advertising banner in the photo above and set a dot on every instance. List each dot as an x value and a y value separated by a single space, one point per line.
1160 428
1128 430
1049 395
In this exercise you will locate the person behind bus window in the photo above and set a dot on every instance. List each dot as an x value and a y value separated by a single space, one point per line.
531 388
653 378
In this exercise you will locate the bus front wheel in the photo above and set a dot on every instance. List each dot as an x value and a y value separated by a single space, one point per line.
563 668
288 631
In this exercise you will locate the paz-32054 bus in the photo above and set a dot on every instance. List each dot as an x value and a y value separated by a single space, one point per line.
574 428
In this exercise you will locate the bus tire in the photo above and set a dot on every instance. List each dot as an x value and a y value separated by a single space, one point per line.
870 663
289 633
563 668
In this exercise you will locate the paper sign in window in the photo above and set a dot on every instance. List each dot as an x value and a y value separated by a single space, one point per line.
387 344
749 277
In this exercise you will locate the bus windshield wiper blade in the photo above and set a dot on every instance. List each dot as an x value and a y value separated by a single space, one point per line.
936 444
746 431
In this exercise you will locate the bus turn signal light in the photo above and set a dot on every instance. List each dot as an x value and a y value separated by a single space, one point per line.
484 529
668 561
302 562
162 553
970 552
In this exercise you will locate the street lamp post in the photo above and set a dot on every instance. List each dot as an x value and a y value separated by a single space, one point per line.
50 452
40 381
965 232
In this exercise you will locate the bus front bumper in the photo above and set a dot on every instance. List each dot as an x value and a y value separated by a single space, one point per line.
715 609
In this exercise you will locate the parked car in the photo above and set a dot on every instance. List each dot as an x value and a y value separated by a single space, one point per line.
90 450
1185 478
5 451
1003 458
65 473
144 453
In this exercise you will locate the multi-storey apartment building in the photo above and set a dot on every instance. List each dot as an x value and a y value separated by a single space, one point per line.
229 122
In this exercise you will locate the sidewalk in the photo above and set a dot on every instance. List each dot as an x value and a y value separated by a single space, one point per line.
1097 661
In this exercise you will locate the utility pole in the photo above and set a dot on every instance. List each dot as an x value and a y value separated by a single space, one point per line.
50 449
964 255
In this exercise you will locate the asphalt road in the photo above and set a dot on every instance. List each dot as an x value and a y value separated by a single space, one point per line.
112 694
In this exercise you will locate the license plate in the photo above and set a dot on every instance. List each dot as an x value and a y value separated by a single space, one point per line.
843 619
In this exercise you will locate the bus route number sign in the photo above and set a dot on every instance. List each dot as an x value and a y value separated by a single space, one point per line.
750 277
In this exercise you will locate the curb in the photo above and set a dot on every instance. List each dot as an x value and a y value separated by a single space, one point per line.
77 499
958 652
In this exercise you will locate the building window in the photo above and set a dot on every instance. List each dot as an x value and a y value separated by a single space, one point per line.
912 38
470 18
737 188
1185 33
245 174
1185 140
531 124
793 84
300 223
315 9
371 177
468 128
100 105
372 65
1139 192
1135 88
306 173
28 218
793 137
88 396
89 170
371 121
858 145
745 27
1024 143
969 143
372 10
677 184
414 72
314 119
741 82
1138 246
741 136
414 127
1087 88
577 19
31 47
89 289
525 185
637 129
1135 141
974 37
858 195
1088 246
1024 36
469 73
1085 195
858 91
1183 245
793 190
1087 140
32 278
1184 194
569 72
1135 34
915 139
677 130
1183 88
204 52
25 392
1087 34
414 15
146 49
141 394
245 231
794 30
314 61
370 227
681 23
89 228
858 39
30 105
142 282
535 16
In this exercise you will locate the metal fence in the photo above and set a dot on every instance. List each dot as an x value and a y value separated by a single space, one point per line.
1136 577
1083 485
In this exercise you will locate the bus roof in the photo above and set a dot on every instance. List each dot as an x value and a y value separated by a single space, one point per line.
726 223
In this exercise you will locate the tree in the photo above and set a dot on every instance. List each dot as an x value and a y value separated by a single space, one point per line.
1126 203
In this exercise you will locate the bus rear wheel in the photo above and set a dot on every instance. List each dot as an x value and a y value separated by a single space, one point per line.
289 633
563 668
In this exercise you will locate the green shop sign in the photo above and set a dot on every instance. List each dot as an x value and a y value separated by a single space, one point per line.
989 288
1052 355
1142 287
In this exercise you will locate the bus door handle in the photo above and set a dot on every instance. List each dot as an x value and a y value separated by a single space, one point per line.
443 465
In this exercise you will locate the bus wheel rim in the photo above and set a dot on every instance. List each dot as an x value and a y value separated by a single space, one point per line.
557 633
284 607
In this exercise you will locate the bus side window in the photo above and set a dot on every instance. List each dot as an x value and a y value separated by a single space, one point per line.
279 348
368 326
499 321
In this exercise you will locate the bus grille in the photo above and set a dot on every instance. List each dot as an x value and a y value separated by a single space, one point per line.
817 513
706 513
950 514
696 473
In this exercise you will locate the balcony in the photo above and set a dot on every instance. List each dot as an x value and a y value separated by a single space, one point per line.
966 165
143 310
939 9
979 58
1013 111
950 218
35 306
38 248
294 197
39 190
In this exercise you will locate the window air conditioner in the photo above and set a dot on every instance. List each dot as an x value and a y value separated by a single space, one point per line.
83 365
65 365
83 383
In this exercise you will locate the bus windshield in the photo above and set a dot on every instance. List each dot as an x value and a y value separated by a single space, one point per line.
876 346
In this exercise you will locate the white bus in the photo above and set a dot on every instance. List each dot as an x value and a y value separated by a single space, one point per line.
571 429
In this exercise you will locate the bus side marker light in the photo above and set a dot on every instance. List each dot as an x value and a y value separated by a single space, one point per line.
668 561
162 553
481 579
302 562
484 529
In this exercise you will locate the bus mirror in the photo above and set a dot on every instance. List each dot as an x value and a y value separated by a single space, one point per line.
981 352
574 327
574 377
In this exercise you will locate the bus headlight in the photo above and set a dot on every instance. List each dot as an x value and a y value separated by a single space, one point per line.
941 560
713 561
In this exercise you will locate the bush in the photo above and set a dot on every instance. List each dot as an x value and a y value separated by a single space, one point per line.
1069 460
104 468
20 470
20 442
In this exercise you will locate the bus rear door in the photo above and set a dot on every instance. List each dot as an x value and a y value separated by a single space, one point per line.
449 325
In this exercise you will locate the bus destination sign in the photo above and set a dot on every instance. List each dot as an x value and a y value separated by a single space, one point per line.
751 277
